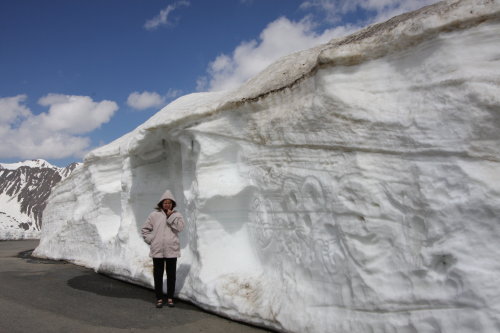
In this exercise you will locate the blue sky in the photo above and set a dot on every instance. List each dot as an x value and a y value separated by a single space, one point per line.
78 74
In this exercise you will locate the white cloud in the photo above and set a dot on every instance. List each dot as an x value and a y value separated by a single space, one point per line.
163 17
330 9
145 100
74 114
11 108
51 134
173 93
279 38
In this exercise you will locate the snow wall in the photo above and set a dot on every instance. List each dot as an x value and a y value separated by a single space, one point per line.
352 187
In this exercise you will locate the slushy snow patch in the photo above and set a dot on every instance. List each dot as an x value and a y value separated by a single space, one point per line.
352 187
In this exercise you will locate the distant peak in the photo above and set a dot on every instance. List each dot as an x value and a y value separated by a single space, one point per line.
42 163
35 163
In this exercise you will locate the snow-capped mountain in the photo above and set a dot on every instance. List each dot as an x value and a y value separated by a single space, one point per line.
24 189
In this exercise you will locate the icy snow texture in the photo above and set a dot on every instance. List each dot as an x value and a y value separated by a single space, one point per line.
353 187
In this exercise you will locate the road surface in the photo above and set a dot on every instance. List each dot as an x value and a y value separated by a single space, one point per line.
50 296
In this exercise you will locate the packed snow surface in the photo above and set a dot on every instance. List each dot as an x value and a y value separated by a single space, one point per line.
353 187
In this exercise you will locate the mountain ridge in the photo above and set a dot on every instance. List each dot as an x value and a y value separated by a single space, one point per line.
24 189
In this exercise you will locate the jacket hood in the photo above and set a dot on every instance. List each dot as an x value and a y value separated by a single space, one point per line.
168 195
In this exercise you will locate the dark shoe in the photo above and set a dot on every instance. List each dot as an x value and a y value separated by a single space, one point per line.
159 303
170 303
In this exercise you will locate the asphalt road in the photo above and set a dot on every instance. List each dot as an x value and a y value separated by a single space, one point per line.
50 296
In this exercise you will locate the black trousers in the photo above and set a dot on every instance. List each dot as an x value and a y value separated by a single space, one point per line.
159 265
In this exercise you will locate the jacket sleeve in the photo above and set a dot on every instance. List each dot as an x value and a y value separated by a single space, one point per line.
176 222
147 230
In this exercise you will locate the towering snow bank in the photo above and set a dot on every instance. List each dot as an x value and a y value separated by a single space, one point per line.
353 187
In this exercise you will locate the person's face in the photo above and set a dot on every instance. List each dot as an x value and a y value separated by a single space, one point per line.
167 204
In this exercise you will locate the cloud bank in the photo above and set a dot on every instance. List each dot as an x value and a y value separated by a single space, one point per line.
53 134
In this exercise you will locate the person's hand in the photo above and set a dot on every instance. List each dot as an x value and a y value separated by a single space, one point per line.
169 212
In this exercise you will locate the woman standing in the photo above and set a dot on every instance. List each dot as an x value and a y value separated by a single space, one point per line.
161 233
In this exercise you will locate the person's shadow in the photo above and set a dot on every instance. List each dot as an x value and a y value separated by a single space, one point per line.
109 287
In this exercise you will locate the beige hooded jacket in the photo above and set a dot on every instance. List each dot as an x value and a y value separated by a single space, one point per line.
161 233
